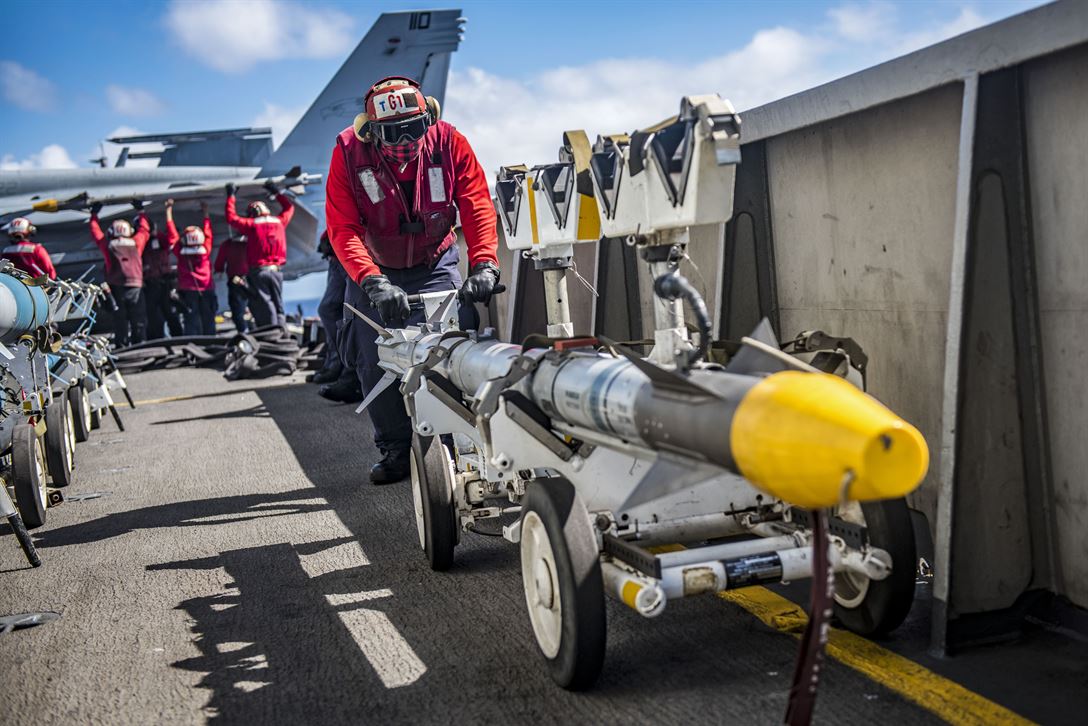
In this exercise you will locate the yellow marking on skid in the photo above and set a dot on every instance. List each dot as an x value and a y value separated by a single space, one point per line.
630 592
938 695
529 182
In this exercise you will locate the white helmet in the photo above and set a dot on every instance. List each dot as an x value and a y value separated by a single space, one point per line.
20 228
194 236
121 228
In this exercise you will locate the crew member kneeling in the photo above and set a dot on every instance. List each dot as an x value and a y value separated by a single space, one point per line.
397 180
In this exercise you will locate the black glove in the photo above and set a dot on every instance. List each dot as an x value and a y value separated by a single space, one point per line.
231 189
271 188
96 208
137 204
390 301
482 283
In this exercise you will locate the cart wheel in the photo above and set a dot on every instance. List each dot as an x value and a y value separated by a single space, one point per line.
28 473
60 444
561 573
432 498
96 414
876 607
81 412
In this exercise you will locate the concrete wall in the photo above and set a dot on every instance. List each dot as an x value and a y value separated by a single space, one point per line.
1056 98
862 211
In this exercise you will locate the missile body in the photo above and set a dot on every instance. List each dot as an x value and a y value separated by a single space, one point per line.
23 308
808 438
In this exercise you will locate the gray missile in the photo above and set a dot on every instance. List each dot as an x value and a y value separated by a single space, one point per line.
796 435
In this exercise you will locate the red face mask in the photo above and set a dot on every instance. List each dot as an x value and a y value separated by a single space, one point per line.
401 153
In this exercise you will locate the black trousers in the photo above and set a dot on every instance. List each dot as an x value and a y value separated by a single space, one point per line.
266 303
161 309
392 427
130 320
238 301
200 317
331 312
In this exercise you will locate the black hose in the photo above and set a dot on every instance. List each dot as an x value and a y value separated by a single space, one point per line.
672 286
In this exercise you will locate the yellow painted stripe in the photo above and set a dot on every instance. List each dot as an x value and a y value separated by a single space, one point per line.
938 695
190 396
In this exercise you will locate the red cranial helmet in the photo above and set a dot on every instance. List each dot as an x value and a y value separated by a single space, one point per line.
21 228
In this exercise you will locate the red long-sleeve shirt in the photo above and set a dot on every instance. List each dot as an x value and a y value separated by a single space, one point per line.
473 199
194 262
124 267
30 257
266 236
157 258
231 257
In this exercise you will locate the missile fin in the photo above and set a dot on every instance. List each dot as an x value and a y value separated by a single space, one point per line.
661 378
443 311
386 381
381 331
750 360
664 478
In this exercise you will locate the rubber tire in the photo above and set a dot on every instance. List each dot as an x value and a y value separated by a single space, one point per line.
81 412
96 415
60 459
430 462
28 475
887 602
583 633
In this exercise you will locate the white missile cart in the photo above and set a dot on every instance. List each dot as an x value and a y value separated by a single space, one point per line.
552 433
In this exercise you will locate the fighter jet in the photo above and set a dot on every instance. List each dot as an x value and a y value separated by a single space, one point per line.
198 165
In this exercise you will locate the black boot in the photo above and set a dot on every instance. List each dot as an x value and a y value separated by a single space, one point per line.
342 392
392 468
325 375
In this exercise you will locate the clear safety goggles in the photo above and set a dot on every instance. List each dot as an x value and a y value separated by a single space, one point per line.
393 133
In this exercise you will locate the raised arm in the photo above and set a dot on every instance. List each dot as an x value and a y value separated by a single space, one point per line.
207 228
242 224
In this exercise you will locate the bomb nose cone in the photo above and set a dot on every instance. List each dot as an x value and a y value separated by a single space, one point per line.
797 435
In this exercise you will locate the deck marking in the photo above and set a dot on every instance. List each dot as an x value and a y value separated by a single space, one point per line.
338 599
388 652
938 695
188 396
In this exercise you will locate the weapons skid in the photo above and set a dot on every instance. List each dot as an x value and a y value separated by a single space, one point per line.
53 393
602 453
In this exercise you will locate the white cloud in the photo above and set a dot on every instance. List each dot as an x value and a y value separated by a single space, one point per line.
133 101
26 89
280 119
234 35
511 121
53 156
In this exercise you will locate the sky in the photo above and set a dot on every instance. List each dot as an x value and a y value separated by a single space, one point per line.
524 72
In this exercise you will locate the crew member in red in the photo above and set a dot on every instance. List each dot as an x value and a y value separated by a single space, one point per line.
123 248
398 178
25 253
160 286
231 260
266 236
194 251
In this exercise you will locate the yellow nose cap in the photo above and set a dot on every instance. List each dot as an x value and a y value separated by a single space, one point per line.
796 436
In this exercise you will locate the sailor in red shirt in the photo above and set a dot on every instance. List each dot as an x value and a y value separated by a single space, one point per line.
123 248
399 177
194 250
231 260
266 236
25 253
160 286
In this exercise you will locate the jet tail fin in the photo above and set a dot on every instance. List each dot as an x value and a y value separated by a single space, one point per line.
415 44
